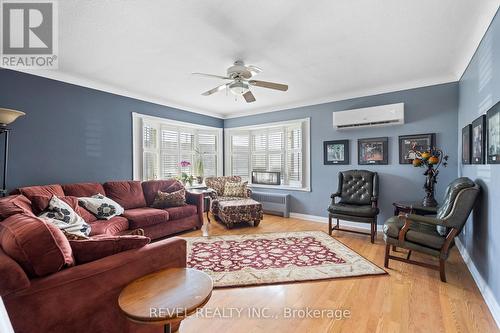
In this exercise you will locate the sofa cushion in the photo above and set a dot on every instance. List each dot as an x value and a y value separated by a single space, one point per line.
127 193
39 203
14 204
152 187
47 190
175 213
143 217
172 199
113 226
37 246
62 215
103 246
83 189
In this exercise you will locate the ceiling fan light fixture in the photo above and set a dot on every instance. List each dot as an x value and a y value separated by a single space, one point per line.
238 88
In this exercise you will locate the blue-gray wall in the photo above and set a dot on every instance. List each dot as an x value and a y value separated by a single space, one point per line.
427 110
479 89
71 133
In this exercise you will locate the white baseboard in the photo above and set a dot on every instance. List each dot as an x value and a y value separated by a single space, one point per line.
323 219
483 287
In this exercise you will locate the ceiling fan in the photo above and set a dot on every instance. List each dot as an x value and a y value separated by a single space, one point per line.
240 76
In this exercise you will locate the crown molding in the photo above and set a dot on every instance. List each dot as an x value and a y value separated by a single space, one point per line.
71 79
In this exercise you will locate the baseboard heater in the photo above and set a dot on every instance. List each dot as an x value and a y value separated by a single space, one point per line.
273 203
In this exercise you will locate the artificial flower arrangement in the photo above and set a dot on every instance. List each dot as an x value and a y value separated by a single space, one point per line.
431 159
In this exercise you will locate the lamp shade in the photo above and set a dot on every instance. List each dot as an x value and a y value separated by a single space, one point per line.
8 116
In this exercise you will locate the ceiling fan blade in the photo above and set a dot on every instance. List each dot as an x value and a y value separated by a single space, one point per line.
249 97
213 76
270 85
254 69
214 90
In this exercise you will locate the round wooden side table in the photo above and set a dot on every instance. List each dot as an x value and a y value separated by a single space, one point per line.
165 297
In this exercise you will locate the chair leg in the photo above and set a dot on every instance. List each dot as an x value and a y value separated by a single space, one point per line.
338 223
442 272
372 233
408 255
386 258
329 224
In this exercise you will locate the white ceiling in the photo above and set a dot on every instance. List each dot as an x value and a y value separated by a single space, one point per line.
324 50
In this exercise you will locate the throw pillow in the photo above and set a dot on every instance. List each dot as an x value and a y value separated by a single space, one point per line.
37 246
235 189
101 206
103 246
14 204
41 202
65 218
173 199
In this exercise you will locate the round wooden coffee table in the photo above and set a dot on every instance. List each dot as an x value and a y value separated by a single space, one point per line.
165 297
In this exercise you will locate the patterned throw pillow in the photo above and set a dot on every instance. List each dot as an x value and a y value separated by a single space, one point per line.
235 189
101 206
173 199
65 218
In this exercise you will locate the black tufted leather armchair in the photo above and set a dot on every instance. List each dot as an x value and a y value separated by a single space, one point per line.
358 193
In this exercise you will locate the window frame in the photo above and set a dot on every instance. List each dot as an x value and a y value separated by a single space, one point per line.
247 130
138 120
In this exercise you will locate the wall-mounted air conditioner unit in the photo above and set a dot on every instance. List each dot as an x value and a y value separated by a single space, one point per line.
383 115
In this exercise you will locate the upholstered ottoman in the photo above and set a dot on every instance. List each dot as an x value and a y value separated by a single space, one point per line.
232 212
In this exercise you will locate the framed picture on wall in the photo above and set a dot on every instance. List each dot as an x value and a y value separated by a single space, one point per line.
373 151
336 152
493 134
478 140
417 142
466 144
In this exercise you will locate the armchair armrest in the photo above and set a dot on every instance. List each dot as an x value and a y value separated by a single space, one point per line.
198 200
89 292
374 201
410 218
425 219
336 194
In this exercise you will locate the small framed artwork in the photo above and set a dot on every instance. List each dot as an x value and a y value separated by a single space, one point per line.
417 142
466 144
478 136
373 151
336 152
493 134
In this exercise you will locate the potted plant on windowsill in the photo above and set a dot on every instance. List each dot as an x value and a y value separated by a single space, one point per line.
431 159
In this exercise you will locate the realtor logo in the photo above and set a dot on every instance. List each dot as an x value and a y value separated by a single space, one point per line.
29 34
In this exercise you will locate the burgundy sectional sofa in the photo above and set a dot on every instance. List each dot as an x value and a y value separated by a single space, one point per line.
61 297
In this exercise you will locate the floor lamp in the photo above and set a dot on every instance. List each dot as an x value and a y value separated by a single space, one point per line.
7 116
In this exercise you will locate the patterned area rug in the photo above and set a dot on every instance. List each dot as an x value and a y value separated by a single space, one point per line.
242 260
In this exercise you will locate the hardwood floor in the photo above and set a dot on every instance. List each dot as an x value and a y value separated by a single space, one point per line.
409 299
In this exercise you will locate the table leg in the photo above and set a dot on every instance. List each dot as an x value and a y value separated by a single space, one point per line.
166 328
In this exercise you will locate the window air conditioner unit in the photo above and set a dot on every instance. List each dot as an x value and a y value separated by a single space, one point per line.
383 115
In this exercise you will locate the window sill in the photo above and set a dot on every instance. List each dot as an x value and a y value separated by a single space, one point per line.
281 187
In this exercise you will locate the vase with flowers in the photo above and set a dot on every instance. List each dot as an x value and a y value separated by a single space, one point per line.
430 159
184 178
